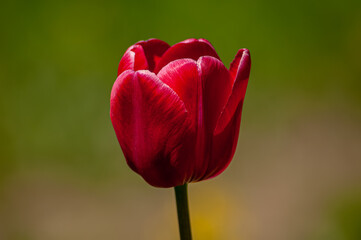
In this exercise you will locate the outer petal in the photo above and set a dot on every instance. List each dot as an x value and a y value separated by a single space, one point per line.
225 136
217 85
190 48
240 69
224 145
182 76
216 88
153 50
133 59
142 55
150 122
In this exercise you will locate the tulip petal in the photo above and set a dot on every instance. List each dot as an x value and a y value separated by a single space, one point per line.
150 121
224 145
225 136
217 85
143 55
182 76
240 69
153 50
190 48
133 59
216 88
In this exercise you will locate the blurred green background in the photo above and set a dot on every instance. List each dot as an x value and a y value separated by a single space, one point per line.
297 170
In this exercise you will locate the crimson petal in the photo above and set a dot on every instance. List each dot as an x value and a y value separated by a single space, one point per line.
143 55
216 88
240 69
190 48
150 121
133 59
225 136
182 76
217 85
224 145
153 50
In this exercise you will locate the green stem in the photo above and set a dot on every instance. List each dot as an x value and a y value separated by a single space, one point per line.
181 197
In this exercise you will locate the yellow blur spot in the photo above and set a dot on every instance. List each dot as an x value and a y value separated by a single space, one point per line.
212 213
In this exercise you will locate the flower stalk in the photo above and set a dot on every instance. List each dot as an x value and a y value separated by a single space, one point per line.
181 196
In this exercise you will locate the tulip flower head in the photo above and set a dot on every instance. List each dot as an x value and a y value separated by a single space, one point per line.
176 110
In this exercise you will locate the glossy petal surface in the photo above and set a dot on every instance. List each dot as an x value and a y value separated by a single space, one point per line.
143 55
216 86
182 76
153 50
240 69
224 145
133 59
190 48
150 122
225 135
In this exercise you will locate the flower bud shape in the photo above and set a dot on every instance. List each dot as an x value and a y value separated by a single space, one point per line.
176 110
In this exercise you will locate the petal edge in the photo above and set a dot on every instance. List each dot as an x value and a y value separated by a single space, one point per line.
239 70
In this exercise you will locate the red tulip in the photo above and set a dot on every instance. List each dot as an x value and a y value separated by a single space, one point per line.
176 110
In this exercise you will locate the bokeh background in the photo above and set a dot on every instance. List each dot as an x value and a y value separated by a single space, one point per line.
297 170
